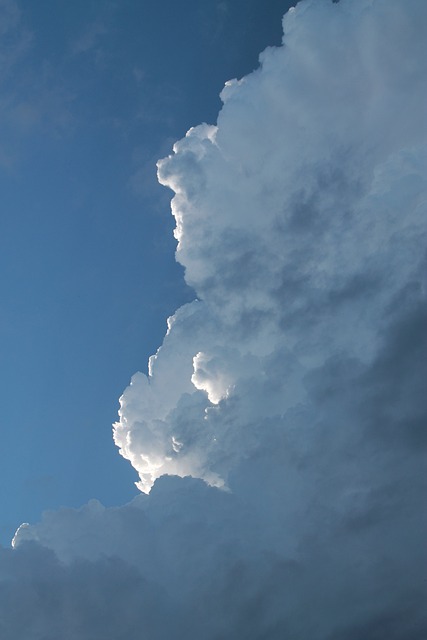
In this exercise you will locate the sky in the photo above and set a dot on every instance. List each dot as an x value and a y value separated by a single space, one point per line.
275 425
92 94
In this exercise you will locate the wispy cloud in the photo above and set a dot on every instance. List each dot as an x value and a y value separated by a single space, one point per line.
32 96
89 39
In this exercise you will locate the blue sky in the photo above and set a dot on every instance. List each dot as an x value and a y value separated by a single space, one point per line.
92 94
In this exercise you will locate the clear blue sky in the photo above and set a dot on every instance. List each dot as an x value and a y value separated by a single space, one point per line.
92 94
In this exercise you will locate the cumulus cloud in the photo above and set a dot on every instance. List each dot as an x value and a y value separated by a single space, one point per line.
281 425
290 228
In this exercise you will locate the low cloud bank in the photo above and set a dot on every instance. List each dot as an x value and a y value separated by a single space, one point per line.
291 389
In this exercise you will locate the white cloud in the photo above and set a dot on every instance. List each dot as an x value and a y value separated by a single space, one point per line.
294 380
288 220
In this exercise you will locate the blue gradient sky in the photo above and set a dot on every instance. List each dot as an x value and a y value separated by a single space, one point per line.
92 94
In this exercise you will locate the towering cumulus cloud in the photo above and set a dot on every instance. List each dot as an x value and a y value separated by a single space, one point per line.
281 426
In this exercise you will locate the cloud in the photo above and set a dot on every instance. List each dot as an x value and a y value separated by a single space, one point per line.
15 40
290 227
40 598
14 45
89 39
281 426
33 98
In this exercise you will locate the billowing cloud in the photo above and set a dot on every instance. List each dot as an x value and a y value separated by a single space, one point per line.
291 389
291 231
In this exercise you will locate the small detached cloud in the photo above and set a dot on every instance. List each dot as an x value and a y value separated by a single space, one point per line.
280 434
89 39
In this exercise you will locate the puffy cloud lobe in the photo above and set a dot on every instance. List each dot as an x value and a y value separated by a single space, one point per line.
293 385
